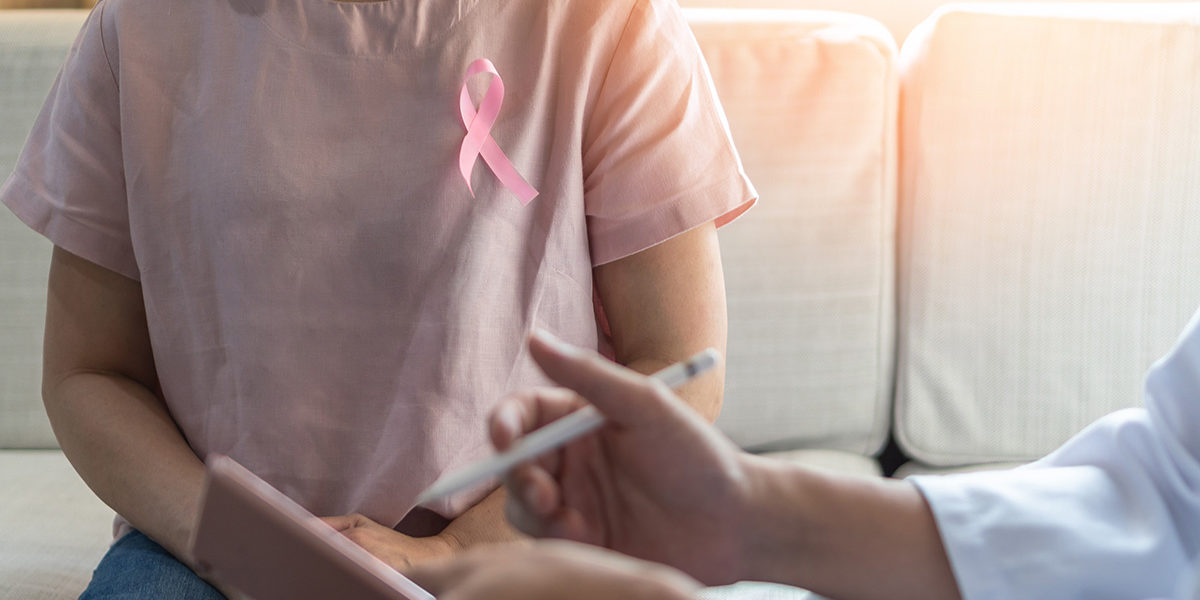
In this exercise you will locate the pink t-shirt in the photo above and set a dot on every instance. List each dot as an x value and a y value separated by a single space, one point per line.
327 302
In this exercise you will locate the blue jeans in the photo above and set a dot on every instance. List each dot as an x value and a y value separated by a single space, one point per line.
136 568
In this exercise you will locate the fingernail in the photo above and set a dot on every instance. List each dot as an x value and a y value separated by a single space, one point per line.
533 500
509 417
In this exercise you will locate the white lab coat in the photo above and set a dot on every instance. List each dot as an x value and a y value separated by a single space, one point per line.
1115 513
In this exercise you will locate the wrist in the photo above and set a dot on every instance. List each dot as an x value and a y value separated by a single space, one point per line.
780 519
821 531
448 543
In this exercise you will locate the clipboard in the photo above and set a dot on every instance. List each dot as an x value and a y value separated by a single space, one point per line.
255 539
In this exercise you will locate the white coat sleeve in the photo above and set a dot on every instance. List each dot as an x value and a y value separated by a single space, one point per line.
1114 513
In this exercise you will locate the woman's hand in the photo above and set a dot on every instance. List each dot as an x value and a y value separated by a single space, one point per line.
551 571
392 547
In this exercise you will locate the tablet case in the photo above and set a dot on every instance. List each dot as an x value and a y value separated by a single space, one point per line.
257 540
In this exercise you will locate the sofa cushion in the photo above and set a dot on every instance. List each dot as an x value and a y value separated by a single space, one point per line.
811 102
33 45
844 463
900 16
55 529
911 468
1050 220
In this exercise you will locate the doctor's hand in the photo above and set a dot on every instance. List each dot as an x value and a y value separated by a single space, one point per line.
398 550
656 482
550 571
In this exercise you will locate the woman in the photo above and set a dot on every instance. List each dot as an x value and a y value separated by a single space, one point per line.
282 235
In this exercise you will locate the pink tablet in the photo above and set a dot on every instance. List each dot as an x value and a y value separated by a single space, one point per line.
254 539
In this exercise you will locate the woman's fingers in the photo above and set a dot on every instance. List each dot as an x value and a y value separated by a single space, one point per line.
533 499
535 506
536 489
344 522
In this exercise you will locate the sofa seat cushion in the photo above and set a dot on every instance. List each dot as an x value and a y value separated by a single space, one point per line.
55 528
911 468
1049 220
845 463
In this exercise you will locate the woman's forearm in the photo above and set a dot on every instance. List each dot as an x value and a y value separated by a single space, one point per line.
120 438
844 537
98 378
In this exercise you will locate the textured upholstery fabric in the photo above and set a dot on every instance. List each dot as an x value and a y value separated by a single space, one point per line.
1049 223
811 101
33 45
54 529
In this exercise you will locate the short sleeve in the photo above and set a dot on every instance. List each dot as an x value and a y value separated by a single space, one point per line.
658 156
69 182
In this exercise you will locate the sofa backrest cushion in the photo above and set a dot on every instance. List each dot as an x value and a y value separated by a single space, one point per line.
33 45
812 101
1049 220
900 16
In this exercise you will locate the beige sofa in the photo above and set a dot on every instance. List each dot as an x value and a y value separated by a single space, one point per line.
974 246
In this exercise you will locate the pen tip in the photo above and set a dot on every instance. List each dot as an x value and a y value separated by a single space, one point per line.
707 359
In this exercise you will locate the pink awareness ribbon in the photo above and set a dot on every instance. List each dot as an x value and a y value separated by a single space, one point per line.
479 141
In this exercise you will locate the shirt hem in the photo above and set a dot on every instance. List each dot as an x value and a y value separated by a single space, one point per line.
645 231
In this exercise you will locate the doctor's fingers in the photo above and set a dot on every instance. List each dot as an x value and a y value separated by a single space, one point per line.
623 396
535 507
535 489
526 411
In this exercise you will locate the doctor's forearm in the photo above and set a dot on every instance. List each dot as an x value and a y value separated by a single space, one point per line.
844 537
